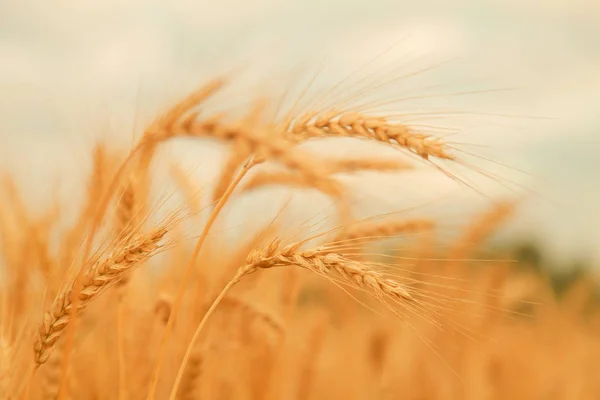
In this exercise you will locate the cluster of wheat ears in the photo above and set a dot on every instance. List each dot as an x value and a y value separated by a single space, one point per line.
118 305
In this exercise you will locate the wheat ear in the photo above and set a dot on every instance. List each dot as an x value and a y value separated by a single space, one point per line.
326 185
259 141
333 266
323 262
386 228
357 164
151 137
352 124
102 275
285 178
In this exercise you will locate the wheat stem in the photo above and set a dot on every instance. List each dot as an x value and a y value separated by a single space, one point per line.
187 275
194 339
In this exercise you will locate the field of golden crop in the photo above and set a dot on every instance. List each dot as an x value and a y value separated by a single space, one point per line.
134 298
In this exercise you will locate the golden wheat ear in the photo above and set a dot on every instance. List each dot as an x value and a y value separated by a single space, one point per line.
366 127
102 275
334 267
369 230
329 265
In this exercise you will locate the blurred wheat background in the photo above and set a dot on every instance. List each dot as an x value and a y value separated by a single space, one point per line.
492 289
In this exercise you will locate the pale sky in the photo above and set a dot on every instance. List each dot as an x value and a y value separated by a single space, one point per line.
69 70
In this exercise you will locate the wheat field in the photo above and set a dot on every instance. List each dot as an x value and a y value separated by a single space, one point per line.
137 299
